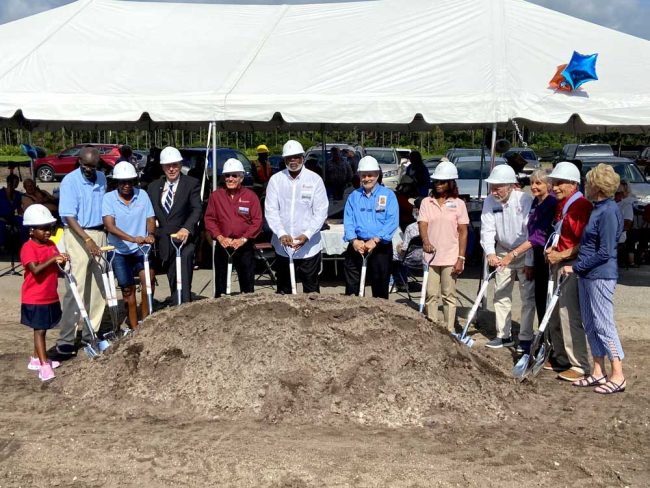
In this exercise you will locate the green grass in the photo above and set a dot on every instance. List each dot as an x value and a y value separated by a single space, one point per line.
4 159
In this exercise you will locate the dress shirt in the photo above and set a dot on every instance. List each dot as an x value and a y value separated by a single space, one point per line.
505 224
82 199
234 217
371 215
598 246
166 188
295 206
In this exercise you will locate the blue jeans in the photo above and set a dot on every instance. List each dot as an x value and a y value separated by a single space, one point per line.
126 266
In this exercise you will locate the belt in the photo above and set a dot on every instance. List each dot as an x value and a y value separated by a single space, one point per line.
97 227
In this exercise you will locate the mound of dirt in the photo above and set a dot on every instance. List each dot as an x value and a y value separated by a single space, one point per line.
315 359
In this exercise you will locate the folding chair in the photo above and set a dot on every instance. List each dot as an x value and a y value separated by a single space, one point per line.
11 243
413 272
265 255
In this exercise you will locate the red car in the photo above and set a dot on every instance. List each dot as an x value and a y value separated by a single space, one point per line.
58 165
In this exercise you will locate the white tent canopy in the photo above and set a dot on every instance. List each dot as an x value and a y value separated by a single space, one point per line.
298 64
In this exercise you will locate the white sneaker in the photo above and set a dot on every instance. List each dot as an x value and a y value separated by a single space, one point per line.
498 343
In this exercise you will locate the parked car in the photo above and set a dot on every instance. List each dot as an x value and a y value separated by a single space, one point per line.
317 151
56 166
194 162
532 161
431 163
140 159
403 154
576 151
460 152
469 175
388 163
643 160
627 170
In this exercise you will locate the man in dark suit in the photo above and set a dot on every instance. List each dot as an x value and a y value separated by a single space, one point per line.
176 202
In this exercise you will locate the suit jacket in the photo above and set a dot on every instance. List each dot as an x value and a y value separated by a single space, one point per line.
185 211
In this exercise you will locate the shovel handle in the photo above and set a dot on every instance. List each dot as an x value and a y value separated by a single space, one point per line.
107 248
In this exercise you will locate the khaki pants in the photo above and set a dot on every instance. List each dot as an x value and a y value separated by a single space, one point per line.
504 281
87 274
442 283
566 330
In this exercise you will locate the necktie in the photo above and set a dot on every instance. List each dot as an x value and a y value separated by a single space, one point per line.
169 198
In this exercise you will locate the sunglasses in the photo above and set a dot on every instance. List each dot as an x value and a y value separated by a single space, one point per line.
44 228
127 182
231 175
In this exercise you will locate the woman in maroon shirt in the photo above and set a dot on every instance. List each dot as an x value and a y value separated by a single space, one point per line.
234 218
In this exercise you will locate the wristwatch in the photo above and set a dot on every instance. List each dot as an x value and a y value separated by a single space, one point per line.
515 253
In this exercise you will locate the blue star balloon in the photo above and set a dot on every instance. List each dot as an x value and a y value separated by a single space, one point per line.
581 69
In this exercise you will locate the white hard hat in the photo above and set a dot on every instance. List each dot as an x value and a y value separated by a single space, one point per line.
233 165
292 148
445 171
565 171
124 171
368 163
37 214
170 155
502 174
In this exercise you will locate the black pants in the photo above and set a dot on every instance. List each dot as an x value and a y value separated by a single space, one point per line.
243 261
187 272
541 281
306 271
377 271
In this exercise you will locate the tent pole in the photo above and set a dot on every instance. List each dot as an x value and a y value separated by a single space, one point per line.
324 150
31 160
214 187
493 147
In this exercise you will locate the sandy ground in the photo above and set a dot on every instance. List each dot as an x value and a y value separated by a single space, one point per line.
325 391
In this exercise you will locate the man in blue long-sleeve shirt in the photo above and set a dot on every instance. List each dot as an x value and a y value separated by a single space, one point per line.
370 220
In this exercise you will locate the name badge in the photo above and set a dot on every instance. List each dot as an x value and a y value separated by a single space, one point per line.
244 210
305 196
381 203
497 210
450 204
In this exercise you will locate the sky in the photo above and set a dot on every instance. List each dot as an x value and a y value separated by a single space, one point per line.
630 16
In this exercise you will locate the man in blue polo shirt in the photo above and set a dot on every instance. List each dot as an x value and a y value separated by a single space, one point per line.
80 207
370 220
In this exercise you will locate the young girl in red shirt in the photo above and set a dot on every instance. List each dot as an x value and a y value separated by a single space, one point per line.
40 308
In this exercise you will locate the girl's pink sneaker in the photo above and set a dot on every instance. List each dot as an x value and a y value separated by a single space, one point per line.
46 373
35 364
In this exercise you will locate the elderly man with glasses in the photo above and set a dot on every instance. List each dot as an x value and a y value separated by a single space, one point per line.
233 219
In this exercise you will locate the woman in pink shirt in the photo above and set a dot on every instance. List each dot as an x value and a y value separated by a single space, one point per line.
443 222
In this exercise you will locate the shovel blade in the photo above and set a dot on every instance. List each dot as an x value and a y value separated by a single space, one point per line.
90 351
103 345
540 358
110 336
468 341
520 369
